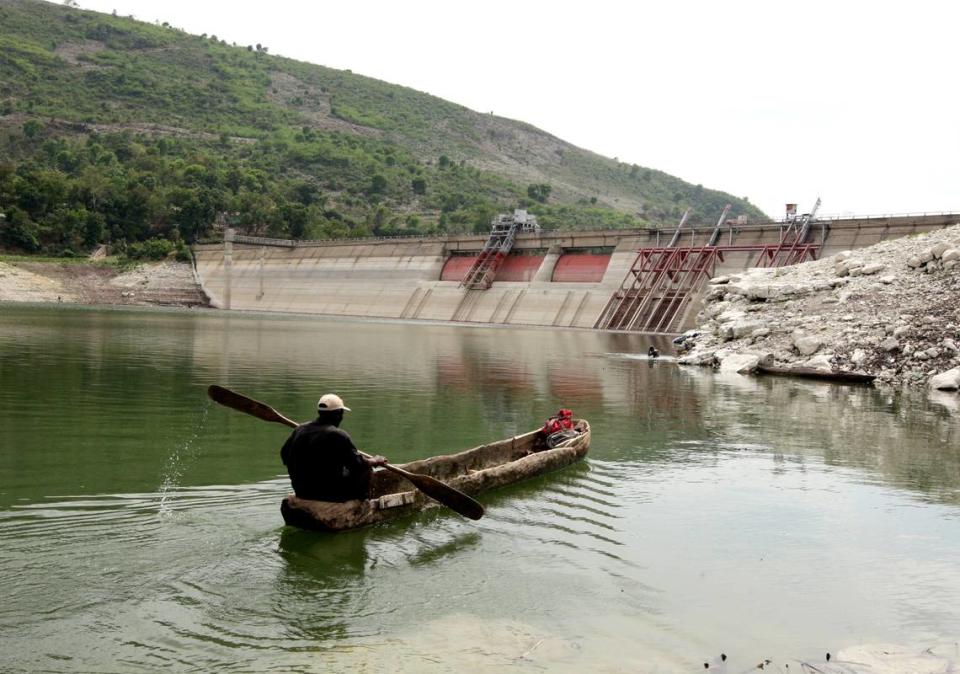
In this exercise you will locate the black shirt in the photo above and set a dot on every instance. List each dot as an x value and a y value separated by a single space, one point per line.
324 464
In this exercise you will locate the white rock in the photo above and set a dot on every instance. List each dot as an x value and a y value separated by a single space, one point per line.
890 344
750 289
819 362
719 280
741 363
806 345
847 266
738 329
926 256
946 381
947 266
939 249
914 261
716 309
949 344
858 356
698 358
887 279
714 294
873 268
732 314
950 255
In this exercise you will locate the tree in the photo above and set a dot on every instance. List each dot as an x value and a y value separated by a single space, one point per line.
539 192
32 128
18 231
419 186
378 184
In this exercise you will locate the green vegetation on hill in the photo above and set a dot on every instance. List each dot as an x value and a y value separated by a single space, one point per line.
114 130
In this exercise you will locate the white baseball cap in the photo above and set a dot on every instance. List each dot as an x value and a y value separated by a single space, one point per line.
330 403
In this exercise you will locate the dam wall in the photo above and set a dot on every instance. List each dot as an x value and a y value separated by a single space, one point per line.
558 279
417 280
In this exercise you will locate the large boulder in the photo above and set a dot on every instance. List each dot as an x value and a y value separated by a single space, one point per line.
742 363
707 358
946 381
821 362
890 344
743 327
806 345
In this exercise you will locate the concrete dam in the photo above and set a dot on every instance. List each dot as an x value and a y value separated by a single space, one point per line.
622 280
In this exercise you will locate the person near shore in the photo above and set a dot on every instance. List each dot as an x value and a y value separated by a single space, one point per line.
322 461
652 352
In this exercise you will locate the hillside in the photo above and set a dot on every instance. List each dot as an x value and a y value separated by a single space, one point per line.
118 130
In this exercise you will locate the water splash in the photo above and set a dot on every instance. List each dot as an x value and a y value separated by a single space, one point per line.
182 456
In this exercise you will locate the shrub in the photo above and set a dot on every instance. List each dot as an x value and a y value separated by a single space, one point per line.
151 249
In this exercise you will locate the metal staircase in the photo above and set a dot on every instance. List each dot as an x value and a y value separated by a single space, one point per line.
502 236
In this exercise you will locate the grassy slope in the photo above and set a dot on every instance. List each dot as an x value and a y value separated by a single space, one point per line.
303 123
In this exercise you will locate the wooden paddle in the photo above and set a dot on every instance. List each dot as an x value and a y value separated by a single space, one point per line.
452 498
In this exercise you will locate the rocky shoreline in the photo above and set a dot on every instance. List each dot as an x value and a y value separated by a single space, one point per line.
888 313
149 284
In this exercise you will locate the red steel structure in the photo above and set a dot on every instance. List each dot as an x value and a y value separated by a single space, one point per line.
657 289
793 247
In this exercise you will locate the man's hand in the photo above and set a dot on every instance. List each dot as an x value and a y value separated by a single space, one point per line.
375 461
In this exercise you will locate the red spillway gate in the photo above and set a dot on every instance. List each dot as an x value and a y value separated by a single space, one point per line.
580 268
510 268
456 267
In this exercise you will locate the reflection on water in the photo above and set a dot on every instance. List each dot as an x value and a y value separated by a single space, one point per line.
140 526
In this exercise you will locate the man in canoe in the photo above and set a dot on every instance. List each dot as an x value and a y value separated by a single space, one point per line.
321 459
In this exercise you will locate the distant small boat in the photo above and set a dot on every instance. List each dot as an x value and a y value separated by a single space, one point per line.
472 471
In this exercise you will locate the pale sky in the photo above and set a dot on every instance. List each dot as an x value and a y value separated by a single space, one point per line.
855 102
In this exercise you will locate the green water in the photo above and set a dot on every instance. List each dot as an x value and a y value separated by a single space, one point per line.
140 526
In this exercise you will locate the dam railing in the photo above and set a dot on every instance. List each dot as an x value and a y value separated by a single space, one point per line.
826 219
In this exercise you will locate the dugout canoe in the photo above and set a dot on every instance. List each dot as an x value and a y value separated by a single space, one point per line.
472 471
